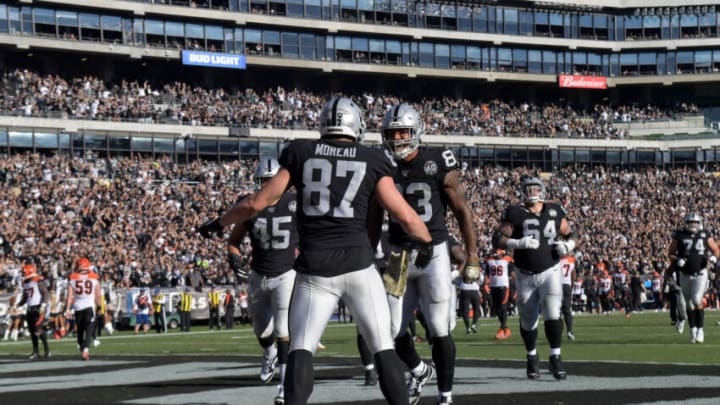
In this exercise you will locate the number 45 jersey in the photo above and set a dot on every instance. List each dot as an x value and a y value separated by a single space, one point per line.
274 237
335 183
421 181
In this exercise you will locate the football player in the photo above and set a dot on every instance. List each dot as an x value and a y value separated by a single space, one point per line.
429 179
36 296
274 239
342 187
84 296
567 266
500 275
539 234
691 249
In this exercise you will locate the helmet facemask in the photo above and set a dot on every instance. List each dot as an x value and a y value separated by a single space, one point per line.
399 118
265 170
533 190
693 223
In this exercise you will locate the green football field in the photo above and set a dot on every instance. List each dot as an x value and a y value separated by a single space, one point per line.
644 337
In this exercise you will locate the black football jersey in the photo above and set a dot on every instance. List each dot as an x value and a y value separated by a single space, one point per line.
335 183
543 226
693 248
421 181
274 237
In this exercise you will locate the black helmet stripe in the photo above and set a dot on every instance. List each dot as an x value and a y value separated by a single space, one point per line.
396 112
334 111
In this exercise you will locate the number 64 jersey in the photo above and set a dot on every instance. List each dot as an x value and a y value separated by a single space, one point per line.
544 227
335 184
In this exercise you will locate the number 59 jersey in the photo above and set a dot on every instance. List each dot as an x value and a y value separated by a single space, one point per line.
421 182
544 227
335 182
83 286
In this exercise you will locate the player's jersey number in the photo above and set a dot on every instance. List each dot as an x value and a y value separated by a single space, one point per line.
531 227
699 246
83 287
272 235
316 193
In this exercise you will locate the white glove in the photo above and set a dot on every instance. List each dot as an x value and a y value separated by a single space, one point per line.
712 259
681 262
526 242
563 248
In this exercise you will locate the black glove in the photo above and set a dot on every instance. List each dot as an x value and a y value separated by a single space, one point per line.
235 261
210 227
424 255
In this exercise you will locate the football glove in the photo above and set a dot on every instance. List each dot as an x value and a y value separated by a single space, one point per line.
681 261
712 259
424 255
210 227
471 273
236 261
526 242
565 247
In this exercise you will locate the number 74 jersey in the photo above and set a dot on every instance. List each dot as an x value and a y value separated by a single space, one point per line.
84 287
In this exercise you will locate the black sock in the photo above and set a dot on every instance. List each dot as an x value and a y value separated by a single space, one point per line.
529 337
405 348
443 353
299 377
391 377
553 333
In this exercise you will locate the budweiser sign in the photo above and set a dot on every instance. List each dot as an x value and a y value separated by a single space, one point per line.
583 82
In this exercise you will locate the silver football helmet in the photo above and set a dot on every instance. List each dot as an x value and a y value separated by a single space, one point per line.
693 222
531 182
266 168
342 117
402 116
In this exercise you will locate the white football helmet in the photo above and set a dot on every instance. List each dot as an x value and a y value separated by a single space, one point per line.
342 117
402 116
532 198
693 222
266 168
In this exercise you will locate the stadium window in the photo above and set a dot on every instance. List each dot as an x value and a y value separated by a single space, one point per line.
648 63
348 11
277 8
464 22
651 27
90 27
703 60
474 58
426 54
44 22
290 46
194 36
68 26
629 64
509 19
556 26
111 27
394 52
504 59
312 8
253 42
239 43
399 13
343 49
685 62
689 26
601 27
432 16
63 140
228 42
139 144
360 50
230 147
214 38
480 19
520 60
4 19
258 7
586 26
155 33
366 12
46 140
449 17
377 51
138 32
249 149
633 27
541 24
708 25
307 46
442 56
534 64
117 143
457 57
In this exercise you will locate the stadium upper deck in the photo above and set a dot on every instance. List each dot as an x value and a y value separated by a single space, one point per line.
669 51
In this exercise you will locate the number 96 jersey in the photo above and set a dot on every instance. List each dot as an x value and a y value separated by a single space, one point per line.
421 182
544 227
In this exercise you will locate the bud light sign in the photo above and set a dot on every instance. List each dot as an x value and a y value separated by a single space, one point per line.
213 59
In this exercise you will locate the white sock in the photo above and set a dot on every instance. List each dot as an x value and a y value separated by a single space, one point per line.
369 367
419 370
532 352
555 351
270 351
281 368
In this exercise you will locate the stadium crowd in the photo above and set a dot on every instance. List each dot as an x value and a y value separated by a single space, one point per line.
31 94
135 218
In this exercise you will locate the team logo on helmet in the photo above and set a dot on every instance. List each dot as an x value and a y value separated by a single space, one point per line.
292 206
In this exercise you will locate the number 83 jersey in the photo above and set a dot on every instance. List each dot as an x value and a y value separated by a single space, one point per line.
421 181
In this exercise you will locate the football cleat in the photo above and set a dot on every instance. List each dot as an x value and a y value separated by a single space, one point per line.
280 397
467 331
571 336
533 367
85 356
371 377
680 326
34 356
507 332
693 335
416 384
444 400
473 328
48 355
268 369
556 368
500 335
700 337
96 343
